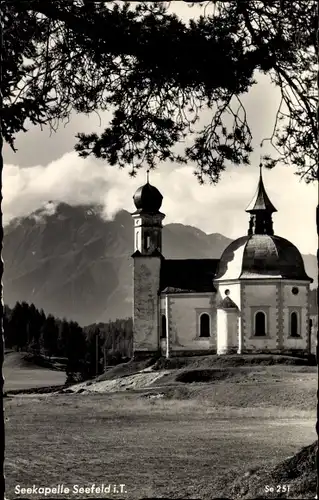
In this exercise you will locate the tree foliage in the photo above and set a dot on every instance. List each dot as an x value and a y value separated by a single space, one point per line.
117 337
156 74
49 335
29 330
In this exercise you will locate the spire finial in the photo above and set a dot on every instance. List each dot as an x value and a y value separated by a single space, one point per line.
260 168
148 176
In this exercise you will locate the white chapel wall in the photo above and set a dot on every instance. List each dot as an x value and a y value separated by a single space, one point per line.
260 297
183 321
296 303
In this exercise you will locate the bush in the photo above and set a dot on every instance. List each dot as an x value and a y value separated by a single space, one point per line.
114 358
75 378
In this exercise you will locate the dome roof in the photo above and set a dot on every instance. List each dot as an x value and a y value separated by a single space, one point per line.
261 256
148 199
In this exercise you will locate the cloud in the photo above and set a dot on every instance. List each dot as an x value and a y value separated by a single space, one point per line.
211 208
221 208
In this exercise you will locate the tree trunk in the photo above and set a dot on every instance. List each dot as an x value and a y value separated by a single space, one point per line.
2 482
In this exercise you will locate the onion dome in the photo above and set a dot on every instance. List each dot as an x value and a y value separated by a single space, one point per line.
147 198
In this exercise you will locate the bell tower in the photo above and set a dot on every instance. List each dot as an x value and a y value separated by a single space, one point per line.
261 210
147 257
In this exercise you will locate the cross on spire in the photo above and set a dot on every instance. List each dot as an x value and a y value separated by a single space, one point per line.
148 176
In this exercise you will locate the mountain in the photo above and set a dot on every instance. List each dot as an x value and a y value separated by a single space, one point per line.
72 263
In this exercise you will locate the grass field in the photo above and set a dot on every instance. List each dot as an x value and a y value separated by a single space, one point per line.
177 446
20 374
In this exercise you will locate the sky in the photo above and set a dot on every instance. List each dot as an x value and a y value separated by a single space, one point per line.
46 168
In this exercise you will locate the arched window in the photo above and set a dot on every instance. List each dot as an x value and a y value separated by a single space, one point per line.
294 325
260 324
147 241
204 325
163 327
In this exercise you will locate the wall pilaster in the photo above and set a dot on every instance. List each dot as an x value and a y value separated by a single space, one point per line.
280 316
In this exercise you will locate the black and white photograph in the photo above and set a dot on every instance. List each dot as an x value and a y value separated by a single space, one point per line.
159 191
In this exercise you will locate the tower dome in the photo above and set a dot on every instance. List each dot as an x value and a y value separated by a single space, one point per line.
261 254
147 198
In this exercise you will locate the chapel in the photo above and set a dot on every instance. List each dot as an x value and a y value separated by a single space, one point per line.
254 299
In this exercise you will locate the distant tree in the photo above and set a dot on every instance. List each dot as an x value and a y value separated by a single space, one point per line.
42 317
32 333
19 327
7 327
49 336
7 310
38 320
29 335
63 337
25 319
94 351
121 334
117 339
75 349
